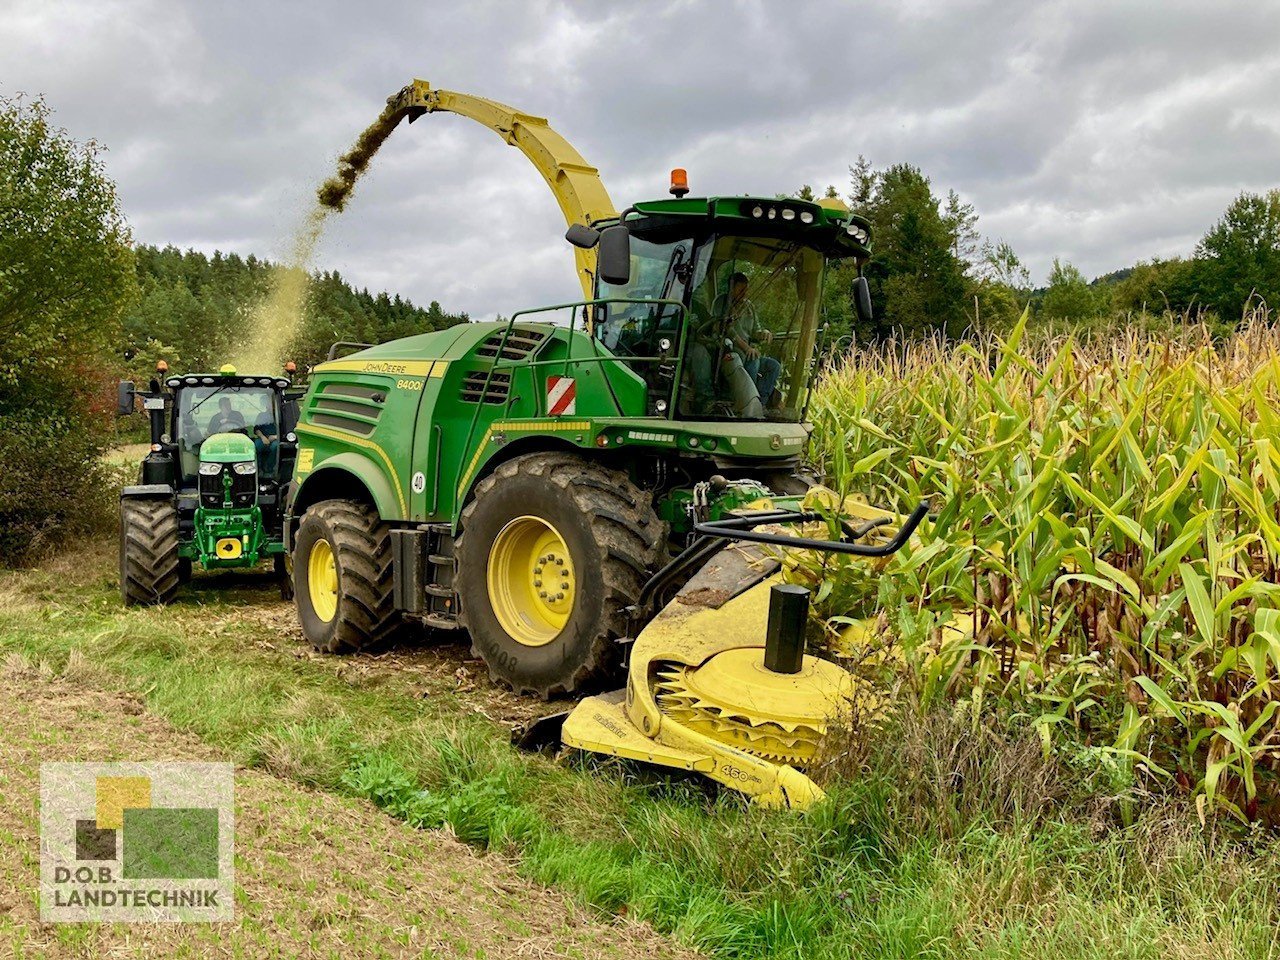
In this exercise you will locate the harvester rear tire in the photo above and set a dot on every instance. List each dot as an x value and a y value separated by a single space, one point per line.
364 617
149 564
615 542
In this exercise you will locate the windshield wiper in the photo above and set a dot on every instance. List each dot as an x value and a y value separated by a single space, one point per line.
200 403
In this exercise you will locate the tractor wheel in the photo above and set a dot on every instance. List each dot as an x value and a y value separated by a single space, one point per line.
149 565
342 577
554 548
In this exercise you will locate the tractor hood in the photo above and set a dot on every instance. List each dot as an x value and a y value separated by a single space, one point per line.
227 448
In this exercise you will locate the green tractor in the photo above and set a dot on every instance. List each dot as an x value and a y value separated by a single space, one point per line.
539 481
210 489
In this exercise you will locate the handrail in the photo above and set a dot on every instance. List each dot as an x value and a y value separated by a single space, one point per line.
572 305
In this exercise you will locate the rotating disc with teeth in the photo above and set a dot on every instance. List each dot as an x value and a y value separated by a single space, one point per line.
732 698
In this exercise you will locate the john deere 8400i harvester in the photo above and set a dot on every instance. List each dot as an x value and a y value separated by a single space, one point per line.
551 482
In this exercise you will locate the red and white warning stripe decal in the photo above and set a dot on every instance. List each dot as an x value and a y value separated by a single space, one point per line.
562 396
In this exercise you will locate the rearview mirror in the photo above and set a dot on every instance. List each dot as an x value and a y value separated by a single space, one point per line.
615 255
124 398
582 236
862 299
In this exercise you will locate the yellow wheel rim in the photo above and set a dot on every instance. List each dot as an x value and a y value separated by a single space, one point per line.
531 581
322 580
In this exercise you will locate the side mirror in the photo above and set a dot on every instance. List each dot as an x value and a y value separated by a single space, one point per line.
124 398
582 236
862 299
614 263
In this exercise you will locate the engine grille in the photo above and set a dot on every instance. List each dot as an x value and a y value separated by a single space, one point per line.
244 488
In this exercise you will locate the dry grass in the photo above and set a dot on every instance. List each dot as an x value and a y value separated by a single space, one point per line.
316 874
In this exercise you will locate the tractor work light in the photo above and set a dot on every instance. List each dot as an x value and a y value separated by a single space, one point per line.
773 212
757 211
788 213
244 469
210 469
806 216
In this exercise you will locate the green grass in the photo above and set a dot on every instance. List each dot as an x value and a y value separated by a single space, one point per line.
885 869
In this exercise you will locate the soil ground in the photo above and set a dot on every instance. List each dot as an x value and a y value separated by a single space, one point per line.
316 874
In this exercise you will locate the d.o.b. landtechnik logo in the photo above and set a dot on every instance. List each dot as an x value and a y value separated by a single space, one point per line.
136 841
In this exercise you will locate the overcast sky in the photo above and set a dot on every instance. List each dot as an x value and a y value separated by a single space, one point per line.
1100 132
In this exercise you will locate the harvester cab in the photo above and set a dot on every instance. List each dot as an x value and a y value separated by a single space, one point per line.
550 483
718 300
210 488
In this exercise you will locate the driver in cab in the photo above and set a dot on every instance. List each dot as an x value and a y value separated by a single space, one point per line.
744 331
227 419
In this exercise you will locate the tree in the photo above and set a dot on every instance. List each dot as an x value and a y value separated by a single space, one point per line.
1070 297
962 222
66 278
1241 256
1160 285
999 263
918 283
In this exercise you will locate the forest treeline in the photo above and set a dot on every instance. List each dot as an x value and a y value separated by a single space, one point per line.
193 311
933 272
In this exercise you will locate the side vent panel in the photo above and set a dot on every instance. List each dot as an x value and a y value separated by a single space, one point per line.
473 388
520 344
353 407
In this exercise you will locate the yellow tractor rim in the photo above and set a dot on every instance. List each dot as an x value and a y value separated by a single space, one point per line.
322 580
531 581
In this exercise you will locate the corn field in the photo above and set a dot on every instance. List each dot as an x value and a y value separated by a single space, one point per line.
1106 523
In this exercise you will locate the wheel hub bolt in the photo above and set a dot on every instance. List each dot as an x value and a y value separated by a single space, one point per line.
542 594
564 586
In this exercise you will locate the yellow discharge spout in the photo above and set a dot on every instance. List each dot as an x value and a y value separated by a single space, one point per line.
575 183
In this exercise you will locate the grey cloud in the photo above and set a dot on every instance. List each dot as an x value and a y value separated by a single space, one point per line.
1100 132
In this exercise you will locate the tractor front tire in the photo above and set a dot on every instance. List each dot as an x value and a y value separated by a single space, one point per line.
150 570
342 578
554 549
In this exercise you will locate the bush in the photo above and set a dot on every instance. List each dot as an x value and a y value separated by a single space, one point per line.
66 277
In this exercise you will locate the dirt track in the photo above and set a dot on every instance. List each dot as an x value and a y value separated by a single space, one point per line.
316 875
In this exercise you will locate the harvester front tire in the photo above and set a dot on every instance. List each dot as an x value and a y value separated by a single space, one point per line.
149 564
614 540
363 616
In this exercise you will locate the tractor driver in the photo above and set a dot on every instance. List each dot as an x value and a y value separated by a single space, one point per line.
266 437
744 330
227 420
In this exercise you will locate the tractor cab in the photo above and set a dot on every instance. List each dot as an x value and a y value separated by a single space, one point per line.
222 451
730 290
